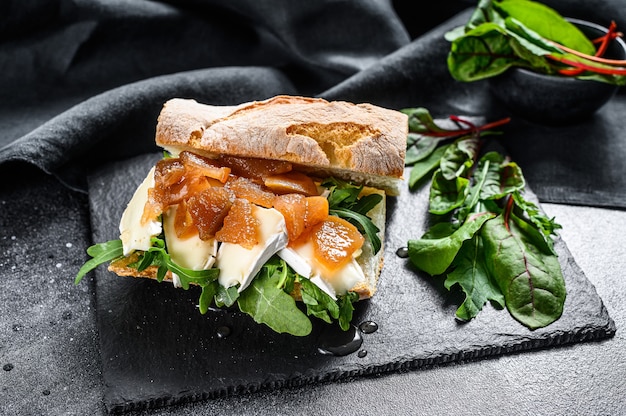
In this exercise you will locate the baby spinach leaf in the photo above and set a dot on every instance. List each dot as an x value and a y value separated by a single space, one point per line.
435 255
530 280
419 147
475 191
425 166
483 52
420 121
471 274
547 226
502 177
446 195
459 157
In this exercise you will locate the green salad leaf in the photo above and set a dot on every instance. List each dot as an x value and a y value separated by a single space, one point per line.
502 34
100 253
267 303
530 279
344 202
485 237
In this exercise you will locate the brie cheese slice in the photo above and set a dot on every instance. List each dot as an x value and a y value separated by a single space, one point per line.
134 235
302 260
239 265
190 253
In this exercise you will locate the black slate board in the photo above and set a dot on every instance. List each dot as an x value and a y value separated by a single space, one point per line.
158 350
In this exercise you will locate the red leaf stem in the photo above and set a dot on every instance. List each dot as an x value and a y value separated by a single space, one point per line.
610 35
606 71
460 120
598 59
604 43
472 129
507 212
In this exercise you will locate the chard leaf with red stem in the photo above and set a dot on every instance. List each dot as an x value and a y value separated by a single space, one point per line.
485 237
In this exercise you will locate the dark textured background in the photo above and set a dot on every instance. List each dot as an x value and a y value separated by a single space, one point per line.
81 85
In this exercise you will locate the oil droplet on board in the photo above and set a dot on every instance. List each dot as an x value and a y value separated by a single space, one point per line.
368 327
402 252
361 353
339 343
223 331
7 367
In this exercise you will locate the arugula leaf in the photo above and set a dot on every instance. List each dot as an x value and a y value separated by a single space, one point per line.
155 256
346 309
206 296
344 202
322 306
158 256
268 304
226 296
318 303
101 253
268 298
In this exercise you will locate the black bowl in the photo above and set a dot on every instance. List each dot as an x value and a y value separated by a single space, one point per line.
554 99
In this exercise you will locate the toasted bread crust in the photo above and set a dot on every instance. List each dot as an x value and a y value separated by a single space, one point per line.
361 141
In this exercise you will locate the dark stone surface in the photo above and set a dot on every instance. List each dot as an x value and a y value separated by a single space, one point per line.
49 332
157 348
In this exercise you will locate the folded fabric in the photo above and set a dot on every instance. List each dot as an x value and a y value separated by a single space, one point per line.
83 83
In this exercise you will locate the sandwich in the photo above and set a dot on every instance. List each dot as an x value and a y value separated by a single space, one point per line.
274 206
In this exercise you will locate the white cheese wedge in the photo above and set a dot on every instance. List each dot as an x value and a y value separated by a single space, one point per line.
302 260
298 263
239 265
190 253
134 235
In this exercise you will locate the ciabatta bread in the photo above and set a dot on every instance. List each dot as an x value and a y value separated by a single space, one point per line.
362 143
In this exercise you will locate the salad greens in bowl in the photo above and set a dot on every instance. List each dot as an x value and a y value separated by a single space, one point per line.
539 64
